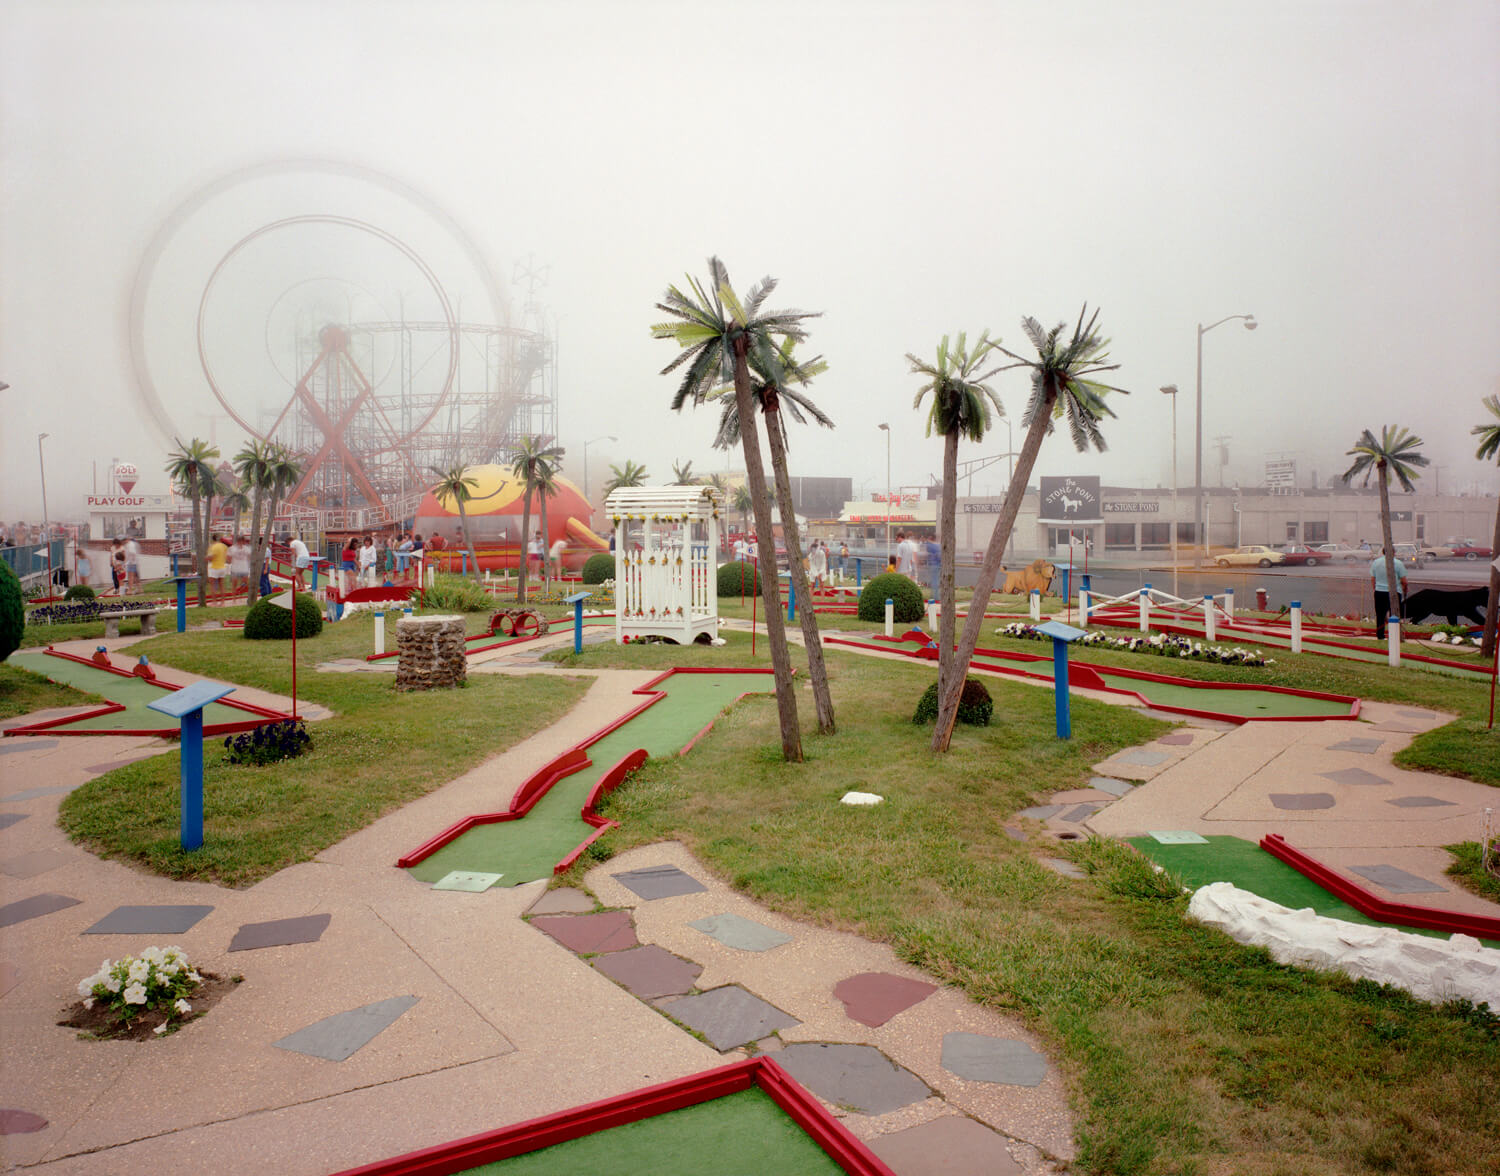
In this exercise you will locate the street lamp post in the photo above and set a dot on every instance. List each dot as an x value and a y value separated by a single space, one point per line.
1198 535
46 523
1171 390
586 444
887 430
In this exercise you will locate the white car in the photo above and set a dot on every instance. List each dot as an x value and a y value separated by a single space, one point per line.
1342 552
1252 555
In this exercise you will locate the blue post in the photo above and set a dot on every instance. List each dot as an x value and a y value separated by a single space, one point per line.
181 602
576 600
1060 690
791 599
859 568
192 779
1083 583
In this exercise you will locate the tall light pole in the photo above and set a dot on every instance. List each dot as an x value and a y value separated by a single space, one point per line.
46 524
887 430
586 444
1198 535
1171 390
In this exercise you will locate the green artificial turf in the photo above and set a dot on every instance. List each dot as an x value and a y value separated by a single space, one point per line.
527 849
740 1134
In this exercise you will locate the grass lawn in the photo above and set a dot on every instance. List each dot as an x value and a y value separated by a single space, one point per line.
259 819
1187 1053
22 692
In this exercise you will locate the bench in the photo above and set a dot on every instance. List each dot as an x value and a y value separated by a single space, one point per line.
147 615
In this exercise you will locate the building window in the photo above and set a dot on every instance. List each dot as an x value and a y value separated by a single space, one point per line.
1156 534
1187 533
1315 532
1119 535
1291 532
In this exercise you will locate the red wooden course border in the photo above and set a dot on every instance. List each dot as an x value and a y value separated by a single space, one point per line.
575 759
1404 914
1087 676
535 1134
58 725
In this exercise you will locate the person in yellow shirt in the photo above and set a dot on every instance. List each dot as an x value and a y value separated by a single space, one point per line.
218 564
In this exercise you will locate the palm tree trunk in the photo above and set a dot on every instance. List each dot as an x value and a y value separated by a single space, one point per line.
257 549
781 661
463 521
947 596
521 556
1491 614
270 530
1393 589
196 530
817 669
948 700
202 553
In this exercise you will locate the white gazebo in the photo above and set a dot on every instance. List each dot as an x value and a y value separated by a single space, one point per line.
666 575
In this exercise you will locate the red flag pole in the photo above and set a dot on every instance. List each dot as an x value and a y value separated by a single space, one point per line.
756 565
294 647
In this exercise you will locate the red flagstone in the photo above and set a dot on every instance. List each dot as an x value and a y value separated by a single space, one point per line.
588 934
873 998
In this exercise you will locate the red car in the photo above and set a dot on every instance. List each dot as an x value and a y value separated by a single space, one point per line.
1469 549
1301 555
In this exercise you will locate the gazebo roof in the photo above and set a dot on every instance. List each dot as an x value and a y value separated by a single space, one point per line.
663 502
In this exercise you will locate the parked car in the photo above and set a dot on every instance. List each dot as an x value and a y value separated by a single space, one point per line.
1408 554
1254 554
1342 553
1297 555
1435 551
1470 549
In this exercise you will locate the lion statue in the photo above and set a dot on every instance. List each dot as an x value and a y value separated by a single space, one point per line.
1037 576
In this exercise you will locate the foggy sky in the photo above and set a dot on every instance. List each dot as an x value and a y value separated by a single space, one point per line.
908 169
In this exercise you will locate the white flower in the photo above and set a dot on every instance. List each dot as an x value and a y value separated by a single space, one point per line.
182 1006
86 986
139 970
194 977
88 1002
152 955
112 983
162 1028
135 994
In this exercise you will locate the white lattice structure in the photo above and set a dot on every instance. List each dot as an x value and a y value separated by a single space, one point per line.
666 574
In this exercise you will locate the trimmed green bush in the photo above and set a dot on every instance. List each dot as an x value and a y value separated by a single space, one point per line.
599 567
911 605
80 592
738 578
268 621
974 705
12 611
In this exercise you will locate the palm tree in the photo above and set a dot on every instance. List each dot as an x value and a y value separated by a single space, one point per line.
682 474
1489 447
744 503
283 472
961 403
253 464
1062 383
458 484
718 333
628 475
1395 452
772 389
533 465
191 469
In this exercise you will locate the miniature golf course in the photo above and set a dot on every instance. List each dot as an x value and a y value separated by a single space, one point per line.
126 712
483 642
1246 865
1232 702
1327 642
749 1118
530 842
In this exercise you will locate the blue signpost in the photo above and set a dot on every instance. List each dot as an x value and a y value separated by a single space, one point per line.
187 704
576 600
1062 635
182 582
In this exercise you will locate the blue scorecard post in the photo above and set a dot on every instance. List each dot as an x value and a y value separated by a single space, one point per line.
182 582
187 704
1061 635
576 600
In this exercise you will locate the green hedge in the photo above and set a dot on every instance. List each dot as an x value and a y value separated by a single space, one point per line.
80 592
598 568
911 605
12 611
269 621
974 705
738 578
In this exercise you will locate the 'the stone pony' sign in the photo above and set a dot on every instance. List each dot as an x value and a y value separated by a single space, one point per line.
1070 500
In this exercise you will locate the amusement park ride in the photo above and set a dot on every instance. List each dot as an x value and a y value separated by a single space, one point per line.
381 378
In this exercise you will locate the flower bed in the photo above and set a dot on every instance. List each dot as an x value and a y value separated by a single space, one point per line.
1160 644
144 996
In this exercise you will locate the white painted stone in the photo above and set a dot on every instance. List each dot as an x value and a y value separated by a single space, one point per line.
1433 969
860 798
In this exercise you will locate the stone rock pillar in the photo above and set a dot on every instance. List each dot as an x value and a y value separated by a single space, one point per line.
431 653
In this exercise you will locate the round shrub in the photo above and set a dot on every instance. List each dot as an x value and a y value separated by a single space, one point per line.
12 611
80 592
269 621
911 605
974 705
599 567
738 578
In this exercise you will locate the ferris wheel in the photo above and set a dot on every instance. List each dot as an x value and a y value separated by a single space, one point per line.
340 313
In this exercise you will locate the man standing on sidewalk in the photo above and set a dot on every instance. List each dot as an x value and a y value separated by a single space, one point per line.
1378 582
